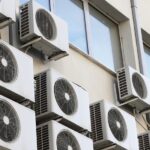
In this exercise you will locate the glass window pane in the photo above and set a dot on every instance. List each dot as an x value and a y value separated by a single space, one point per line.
147 60
72 12
44 3
105 39
23 1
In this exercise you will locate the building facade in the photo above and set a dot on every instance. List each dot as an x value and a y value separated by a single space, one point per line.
104 36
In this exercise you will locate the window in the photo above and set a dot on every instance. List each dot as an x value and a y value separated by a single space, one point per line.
105 39
147 59
72 12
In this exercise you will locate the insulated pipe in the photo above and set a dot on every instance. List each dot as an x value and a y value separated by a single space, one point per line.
138 36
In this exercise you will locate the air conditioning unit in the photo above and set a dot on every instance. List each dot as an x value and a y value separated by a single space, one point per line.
55 136
38 23
18 127
16 73
112 126
133 88
57 97
7 12
144 141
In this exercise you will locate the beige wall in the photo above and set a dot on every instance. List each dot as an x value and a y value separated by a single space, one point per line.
144 14
76 67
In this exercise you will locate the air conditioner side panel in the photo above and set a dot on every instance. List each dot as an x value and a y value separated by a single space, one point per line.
26 139
84 142
23 85
6 5
131 136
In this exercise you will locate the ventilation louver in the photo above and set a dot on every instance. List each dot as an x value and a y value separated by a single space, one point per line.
38 23
144 141
15 82
112 126
57 97
42 138
133 89
55 136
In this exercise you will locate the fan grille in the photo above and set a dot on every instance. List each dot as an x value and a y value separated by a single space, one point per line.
45 24
65 140
139 85
117 124
8 67
65 96
9 122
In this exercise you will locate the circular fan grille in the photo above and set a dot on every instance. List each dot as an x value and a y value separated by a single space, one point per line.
8 67
117 124
65 96
66 141
139 85
45 24
9 122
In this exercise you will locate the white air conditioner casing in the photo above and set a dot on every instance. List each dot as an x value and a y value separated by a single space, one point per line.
25 138
144 141
102 119
48 133
7 11
20 83
55 44
133 89
47 106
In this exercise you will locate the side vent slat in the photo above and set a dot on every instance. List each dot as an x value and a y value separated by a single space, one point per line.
144 141
43 138
41 93
122 83
96 122
24 20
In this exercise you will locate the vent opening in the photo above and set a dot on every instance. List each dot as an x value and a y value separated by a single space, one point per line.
9 122
46 24
66 141
144 142
8 65
65 96
117 124
139 85
43 142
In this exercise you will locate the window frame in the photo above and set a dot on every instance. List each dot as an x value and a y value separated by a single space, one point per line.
145 65
89 54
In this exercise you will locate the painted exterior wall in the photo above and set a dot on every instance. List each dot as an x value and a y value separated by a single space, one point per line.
144 14
87 72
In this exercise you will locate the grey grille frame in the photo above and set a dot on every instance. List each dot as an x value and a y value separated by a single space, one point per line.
43 142
144 141
122 83
24 20
41 105
96 122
